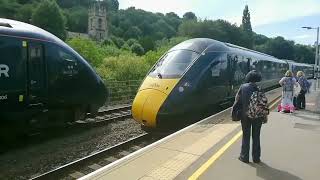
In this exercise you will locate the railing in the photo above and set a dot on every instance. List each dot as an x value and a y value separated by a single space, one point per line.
122 92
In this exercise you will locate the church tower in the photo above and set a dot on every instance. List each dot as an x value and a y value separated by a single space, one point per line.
97 24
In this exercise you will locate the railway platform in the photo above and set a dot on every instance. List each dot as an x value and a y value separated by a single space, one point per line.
209 149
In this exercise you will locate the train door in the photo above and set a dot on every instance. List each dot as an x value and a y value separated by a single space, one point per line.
36 75
239 69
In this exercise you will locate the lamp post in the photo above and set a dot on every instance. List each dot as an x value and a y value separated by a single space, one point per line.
316 61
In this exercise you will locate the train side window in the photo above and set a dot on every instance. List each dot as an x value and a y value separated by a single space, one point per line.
35 53
218 66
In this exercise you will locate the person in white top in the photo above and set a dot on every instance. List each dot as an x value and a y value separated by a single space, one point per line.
288 83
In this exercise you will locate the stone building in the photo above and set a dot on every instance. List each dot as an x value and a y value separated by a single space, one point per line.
97 22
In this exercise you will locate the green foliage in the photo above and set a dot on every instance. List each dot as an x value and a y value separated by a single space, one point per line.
260 39
220 30
77 19
152 32
246 27
119 42
113 5
8 8
123 67
48 16
278 47
133 32
131 41
304 54
89 49
246 22
137 49
147 43
189 16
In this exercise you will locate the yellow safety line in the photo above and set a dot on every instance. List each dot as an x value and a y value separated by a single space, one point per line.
207 164
275 103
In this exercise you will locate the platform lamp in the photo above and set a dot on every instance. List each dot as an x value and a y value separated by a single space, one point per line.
316 61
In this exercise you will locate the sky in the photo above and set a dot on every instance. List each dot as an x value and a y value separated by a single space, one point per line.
268 17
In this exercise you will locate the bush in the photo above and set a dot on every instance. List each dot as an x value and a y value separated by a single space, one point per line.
89 49
123 67
119 42
131 41
137 49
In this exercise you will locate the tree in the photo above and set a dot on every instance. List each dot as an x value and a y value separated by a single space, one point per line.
259 39
147 43
246 26
8 8
48 16
133 32
280 48
304 54
24 13
77 19
190 16
137 49
119 42
113 5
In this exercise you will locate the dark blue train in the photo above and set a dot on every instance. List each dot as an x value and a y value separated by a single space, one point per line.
198 74
42 80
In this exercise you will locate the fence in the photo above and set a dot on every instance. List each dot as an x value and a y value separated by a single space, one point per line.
122 92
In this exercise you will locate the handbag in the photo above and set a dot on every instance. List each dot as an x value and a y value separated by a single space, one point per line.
236 111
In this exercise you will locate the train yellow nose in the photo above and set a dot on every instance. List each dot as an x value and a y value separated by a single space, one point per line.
146 105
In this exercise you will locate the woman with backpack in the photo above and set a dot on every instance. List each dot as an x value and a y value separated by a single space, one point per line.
304 84
249 94
288 83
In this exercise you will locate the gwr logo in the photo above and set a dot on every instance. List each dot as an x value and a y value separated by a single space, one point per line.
4 70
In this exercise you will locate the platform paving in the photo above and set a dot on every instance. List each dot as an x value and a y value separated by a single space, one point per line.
169 157
290 145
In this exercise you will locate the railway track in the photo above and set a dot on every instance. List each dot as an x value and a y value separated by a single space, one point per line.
95 161
109 115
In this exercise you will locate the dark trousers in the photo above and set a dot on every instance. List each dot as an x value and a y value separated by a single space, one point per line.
295 101
301 100
246 130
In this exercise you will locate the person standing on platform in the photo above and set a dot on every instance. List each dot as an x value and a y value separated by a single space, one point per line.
244 101
287 83
304 84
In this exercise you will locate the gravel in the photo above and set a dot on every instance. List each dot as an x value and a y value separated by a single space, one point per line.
32 160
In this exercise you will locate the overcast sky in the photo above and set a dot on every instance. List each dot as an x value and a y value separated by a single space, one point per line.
269 17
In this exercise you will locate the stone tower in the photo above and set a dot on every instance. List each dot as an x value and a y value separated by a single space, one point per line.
97 24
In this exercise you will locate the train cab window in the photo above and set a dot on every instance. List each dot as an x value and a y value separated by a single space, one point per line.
67 62
66 56
173 64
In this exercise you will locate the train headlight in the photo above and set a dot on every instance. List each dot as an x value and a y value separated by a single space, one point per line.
181 89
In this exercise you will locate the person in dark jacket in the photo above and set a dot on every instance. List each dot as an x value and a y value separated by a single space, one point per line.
304 84
243 96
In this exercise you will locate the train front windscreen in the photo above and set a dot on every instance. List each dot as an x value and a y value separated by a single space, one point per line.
173 64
